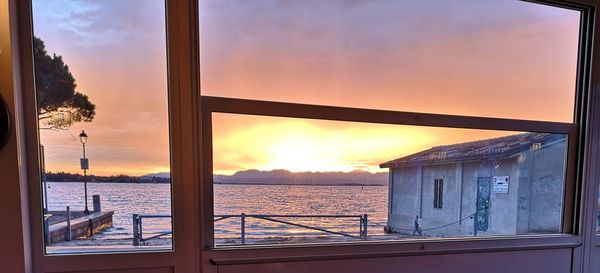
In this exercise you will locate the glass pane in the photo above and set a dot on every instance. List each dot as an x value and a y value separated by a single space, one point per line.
287 181
101 80
494 58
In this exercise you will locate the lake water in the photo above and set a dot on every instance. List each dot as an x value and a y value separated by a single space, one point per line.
124 199
127 199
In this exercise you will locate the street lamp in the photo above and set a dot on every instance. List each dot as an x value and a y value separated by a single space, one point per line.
84 166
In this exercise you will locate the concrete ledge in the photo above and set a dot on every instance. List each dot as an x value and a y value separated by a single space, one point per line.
80 227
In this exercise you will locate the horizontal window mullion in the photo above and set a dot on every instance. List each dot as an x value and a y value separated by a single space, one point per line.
296 110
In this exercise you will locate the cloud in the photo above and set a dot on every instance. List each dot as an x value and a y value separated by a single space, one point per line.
428 56
93 23
394 55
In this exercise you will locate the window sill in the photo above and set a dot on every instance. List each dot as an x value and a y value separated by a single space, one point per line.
341 251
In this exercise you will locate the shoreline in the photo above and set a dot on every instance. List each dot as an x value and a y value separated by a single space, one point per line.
110 182
304 184
220 183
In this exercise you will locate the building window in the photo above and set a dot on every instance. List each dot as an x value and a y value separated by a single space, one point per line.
438 193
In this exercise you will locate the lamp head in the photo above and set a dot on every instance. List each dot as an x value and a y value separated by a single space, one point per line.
83 137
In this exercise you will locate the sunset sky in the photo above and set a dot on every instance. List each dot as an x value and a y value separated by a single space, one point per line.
500 58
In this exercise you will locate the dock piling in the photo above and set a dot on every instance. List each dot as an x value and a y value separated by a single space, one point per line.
96 203
91 224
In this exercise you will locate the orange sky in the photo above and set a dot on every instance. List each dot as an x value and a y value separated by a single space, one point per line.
496 58
316 145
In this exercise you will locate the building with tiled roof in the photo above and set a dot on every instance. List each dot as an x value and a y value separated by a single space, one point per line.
500 186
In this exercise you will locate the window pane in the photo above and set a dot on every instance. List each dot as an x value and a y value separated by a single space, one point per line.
438 193
101 80
493 58
309 181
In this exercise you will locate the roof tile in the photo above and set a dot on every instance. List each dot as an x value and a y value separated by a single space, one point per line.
474 150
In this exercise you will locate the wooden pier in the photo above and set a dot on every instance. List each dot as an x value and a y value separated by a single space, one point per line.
67 225
81 227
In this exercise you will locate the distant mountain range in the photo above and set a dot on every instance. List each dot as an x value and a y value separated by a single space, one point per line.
161 175
285 177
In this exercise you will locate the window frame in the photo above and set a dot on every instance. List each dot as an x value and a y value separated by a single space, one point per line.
189 154
294 110
571 236
182 79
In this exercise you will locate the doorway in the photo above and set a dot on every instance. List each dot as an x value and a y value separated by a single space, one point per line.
483 204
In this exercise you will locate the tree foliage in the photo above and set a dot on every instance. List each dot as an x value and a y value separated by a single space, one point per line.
59 104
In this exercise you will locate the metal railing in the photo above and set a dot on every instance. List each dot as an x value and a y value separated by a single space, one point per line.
363 221
138 230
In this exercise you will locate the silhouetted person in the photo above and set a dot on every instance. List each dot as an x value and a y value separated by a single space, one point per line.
417 229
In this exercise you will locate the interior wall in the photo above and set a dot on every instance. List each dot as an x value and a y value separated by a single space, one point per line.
547 261
14 234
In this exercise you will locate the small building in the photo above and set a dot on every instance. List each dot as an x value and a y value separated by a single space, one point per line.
501 186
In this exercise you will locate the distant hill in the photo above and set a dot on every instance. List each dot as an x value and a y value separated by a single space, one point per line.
274 177
120 178
160 175
285 177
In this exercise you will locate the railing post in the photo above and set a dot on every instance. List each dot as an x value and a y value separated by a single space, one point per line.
475 224
136 238
47 230
365 225
69 234
243 227
141 229
91 223
360 226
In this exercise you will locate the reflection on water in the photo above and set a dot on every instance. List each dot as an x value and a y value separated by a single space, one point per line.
297 200
124 199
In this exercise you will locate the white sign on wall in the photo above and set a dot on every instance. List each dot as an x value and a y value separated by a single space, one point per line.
500 184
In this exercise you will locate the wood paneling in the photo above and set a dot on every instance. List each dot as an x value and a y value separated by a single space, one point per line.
547 261
137 270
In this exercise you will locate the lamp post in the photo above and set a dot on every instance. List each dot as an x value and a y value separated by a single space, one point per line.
84 166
